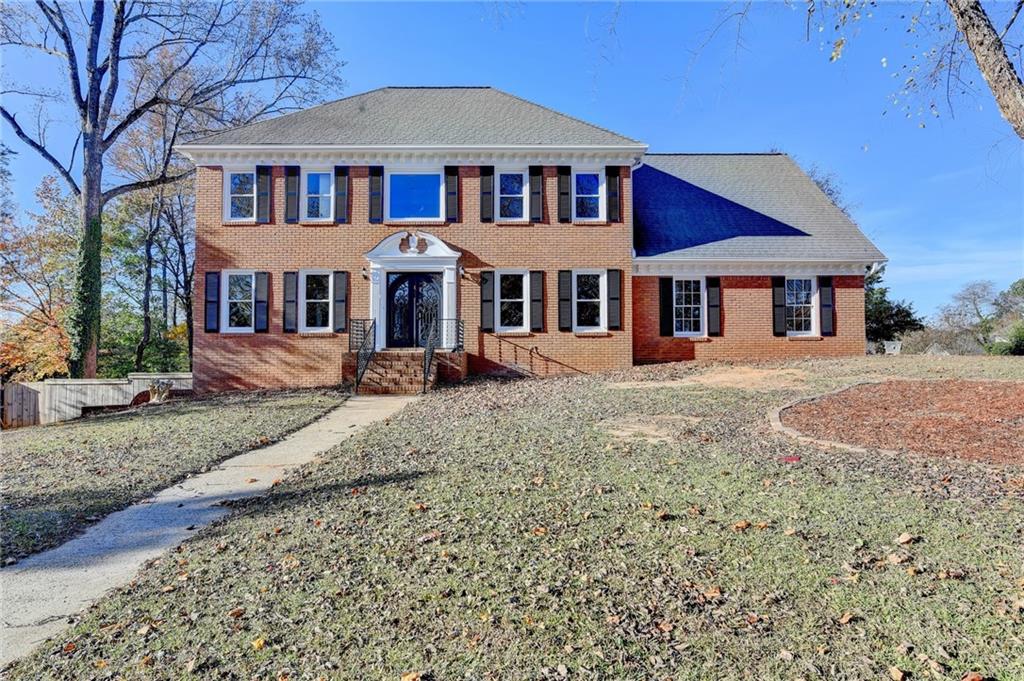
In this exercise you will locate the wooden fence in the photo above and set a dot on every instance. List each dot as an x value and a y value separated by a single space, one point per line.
63 399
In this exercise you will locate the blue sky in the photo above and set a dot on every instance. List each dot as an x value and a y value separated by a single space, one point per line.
945 201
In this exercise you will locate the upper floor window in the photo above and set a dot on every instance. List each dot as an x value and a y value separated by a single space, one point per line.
315 303
588 188
512 309
318 195
414 195
239 298
589 300
800 294
688 306
241 195
513 187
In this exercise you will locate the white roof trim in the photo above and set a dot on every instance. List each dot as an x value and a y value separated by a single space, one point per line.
751 266
356 154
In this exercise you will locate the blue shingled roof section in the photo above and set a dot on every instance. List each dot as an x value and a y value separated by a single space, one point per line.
670 214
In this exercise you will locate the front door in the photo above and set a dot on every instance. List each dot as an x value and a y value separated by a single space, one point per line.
413 307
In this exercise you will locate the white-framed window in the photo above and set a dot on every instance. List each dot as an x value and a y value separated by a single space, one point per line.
414 194
238 301
317 194
589 300
587 195
316 295
512 300
689 305
801 306
510 201
240 194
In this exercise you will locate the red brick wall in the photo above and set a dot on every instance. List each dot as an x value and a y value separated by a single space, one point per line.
276 359
747 324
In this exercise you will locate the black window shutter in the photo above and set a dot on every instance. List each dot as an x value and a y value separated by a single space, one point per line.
451 193
340 194
211 322
826 293
779 306
537 300
536 194
565 300
291 193
376 193
340 301
291 302
487 301
666 308
564 194
611 184
262 193
486 193
614 300
260 320
714 292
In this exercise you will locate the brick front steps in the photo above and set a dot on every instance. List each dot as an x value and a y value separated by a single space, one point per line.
397 372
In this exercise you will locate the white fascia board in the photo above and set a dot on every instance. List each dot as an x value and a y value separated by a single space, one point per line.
348 154
751 266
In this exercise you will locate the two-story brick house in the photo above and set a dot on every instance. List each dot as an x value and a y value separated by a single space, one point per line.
504 233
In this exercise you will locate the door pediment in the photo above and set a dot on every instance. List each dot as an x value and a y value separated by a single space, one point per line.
408 247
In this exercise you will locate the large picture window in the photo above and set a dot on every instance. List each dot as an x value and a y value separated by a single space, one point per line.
589 300
513 187
239 298
512 309
587 190
688 304
800 295
240 198
315 300
414 195
318 194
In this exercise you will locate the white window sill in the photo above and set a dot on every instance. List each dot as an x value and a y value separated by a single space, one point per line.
237 331
694 339
591 333
513 333
804 338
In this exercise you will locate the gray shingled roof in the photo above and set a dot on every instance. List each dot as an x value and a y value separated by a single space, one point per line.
453 116
775 186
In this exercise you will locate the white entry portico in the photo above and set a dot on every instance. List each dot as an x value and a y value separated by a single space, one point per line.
413 252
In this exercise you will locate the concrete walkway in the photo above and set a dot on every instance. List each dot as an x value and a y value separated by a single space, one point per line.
41 593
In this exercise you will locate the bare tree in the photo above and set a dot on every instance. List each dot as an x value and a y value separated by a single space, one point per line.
207 64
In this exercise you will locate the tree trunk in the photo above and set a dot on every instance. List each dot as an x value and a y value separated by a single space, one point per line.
147 290
995 65
84 320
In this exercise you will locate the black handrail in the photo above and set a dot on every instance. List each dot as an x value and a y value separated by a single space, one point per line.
362 341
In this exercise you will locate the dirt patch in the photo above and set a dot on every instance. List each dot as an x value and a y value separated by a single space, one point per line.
655 429
741 377
974 420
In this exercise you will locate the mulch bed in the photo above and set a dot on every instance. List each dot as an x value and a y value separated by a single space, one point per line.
974 420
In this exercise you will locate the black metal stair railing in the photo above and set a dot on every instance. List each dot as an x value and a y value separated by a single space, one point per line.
362 341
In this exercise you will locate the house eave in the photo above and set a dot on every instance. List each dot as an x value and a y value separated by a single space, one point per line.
365 154
760 266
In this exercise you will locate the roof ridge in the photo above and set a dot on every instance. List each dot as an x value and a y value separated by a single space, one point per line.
570 117
716 153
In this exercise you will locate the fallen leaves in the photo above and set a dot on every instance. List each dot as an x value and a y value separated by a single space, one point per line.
896 674
539 531
905 538
259 643
412 676
741 526
433 535
236 612
846 618
69 648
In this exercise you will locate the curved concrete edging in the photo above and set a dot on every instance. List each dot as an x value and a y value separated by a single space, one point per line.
775 420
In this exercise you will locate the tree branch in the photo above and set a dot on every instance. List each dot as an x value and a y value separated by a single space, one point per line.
40 149
162 179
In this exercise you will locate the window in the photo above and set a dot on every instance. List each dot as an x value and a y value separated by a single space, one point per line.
589 296
415 195
319 195
315 300
240 200
239 296
513 188
512 310
688 307
800 295
587 190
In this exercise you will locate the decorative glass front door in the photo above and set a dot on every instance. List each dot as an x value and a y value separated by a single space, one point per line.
413 307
